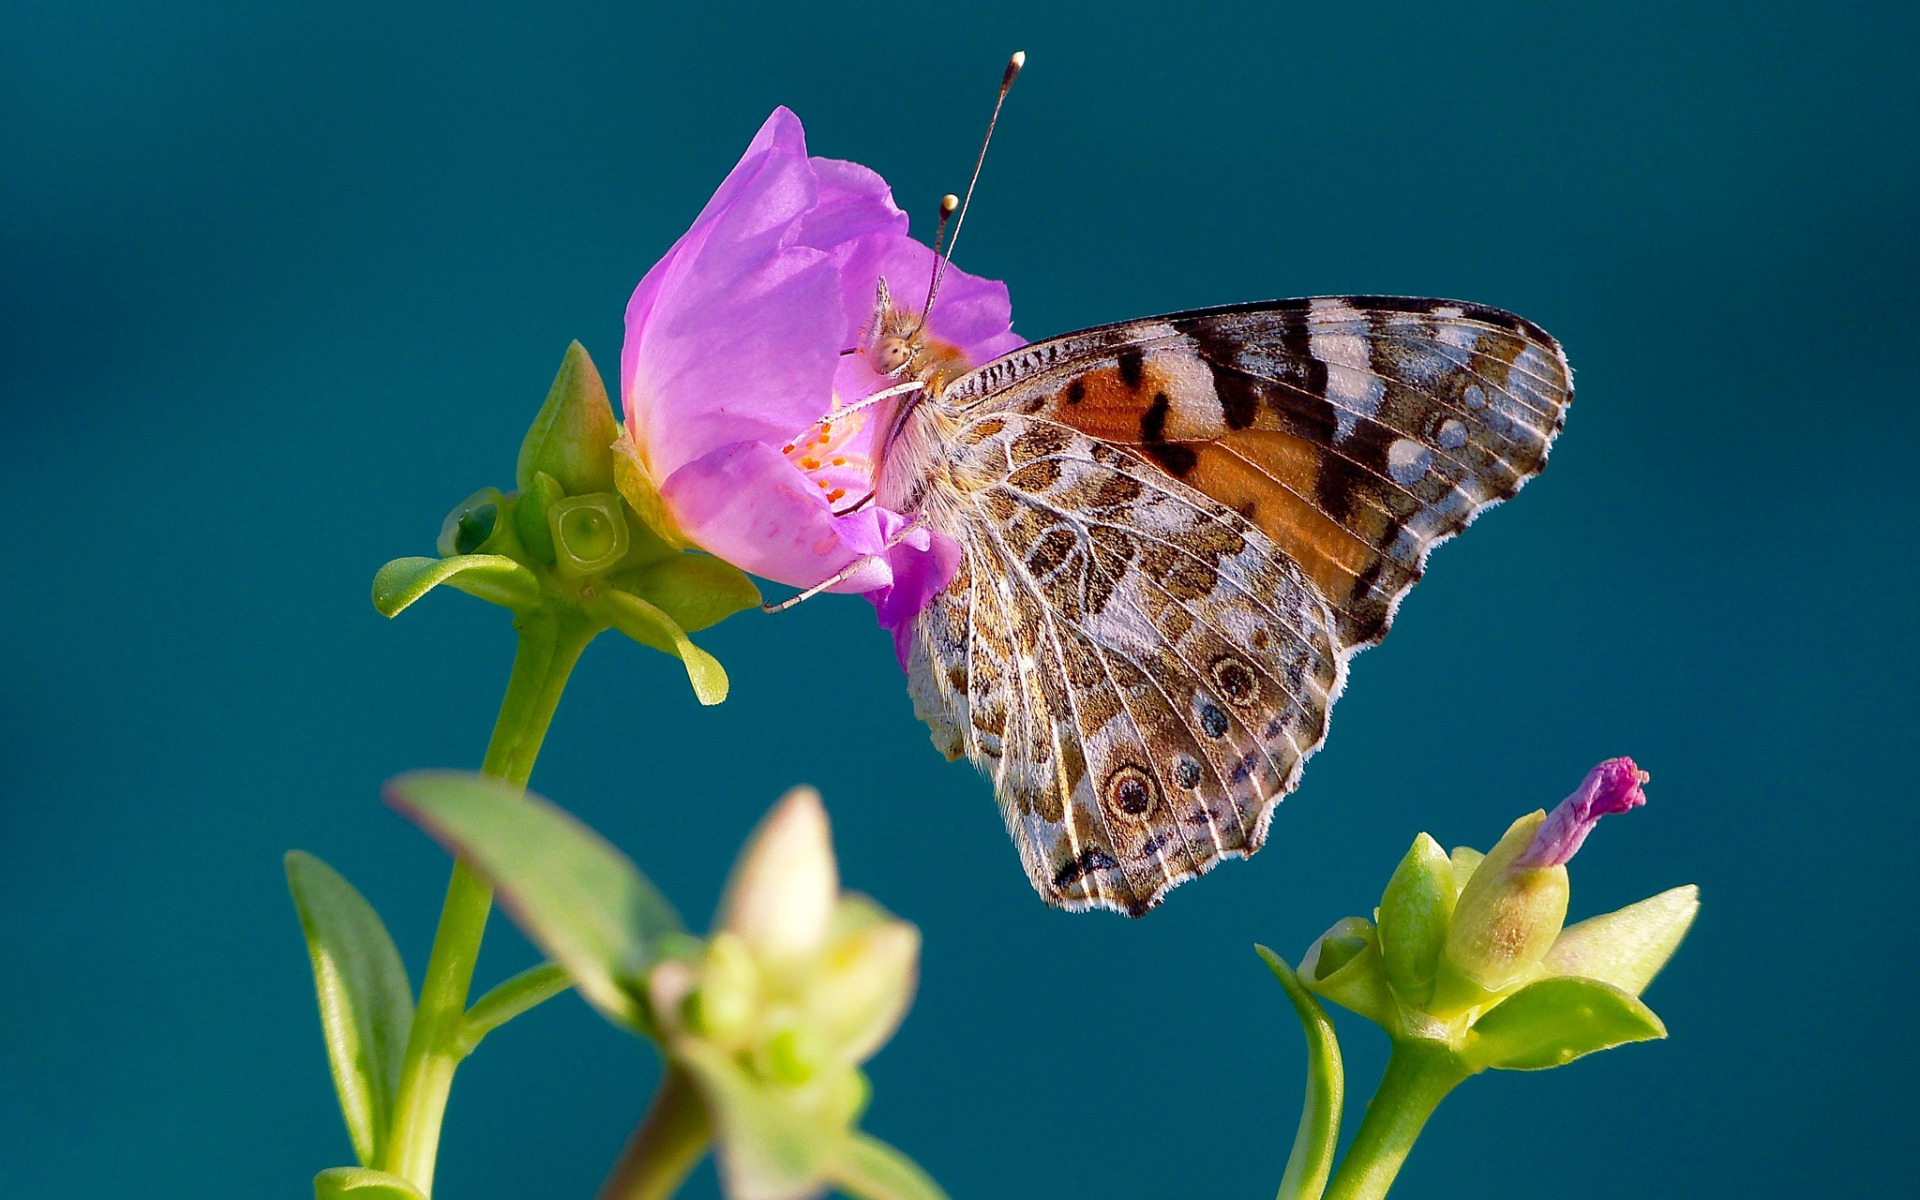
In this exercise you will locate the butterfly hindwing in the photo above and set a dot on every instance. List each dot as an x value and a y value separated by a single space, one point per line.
1137 667
1356 432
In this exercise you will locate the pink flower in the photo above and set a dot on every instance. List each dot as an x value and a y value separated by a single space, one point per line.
1612 787
734 363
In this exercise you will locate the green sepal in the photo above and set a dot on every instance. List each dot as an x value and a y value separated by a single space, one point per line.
1554 1021
572 438
366 1003
770 1143
631 480
530 515
580 900
869 1169
1414 914
696 590
1319 1134
1344 966
492 577
647 624
362 1183
1626 947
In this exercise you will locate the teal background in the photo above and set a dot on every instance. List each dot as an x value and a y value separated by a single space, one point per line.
279 284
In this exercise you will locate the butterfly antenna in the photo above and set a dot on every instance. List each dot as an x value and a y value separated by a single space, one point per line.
1012 73
948 203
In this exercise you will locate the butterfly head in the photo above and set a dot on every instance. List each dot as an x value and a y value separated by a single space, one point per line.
898 345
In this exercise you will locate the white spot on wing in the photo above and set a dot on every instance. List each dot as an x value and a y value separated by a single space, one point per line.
1452 434
1353 394
1407 460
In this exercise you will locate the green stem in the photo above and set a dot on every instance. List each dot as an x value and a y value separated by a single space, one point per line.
1419 1075
550 644
1319 1132
669 1142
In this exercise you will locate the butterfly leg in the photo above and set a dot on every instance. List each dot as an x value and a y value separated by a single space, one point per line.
850 570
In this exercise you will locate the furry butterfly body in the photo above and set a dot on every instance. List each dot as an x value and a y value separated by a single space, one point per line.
1176 533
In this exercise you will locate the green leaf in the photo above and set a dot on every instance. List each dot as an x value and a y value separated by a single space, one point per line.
492 577
769 1147
527 990
579 899
696 590
362 1183
870 1169
1414 914
1555 1021
1626 948
366 1004
646 624
1313 1146
572 438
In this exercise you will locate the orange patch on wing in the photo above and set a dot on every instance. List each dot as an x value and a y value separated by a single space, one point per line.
1264 472
1101 405
1270 477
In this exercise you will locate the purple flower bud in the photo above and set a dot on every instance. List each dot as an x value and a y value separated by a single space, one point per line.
1612 787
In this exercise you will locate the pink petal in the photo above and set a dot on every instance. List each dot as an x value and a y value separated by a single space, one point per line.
1612 787
922 564
853 201
734 335
780 137
747 504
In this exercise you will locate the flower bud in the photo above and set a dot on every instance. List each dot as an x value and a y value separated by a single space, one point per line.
1344 967
589 533
1413 918
1512 908
794 1055
572 438
1465 861
1506 918
471 524
727 999
541 493
781 896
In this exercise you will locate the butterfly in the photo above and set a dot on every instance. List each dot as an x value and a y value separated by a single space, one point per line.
1176 533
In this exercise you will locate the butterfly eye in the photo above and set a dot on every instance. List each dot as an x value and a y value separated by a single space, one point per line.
890 354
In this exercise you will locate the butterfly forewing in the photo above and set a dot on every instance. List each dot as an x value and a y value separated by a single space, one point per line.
1176 532
1357 432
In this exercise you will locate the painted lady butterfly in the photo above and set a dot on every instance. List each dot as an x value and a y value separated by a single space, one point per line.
1177 533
